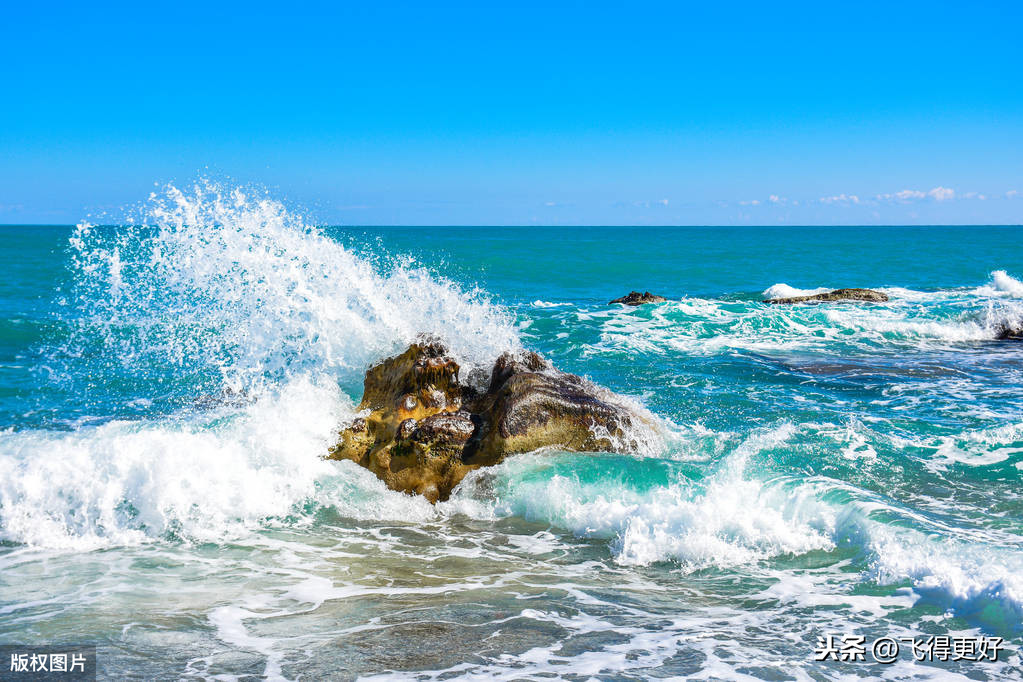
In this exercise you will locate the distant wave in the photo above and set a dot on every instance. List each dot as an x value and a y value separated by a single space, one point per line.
781 290
911 319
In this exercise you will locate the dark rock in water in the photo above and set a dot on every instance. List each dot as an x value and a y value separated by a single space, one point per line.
425 432
838 295
1009 332
637 298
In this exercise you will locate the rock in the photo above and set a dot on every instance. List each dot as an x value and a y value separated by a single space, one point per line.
636 298
530 405
424 431
837 295
1009 332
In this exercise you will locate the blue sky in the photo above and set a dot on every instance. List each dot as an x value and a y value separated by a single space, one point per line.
519 113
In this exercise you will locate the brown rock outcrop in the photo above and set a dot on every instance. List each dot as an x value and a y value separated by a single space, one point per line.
425 431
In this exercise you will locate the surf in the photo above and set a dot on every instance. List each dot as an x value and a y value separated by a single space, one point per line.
203 356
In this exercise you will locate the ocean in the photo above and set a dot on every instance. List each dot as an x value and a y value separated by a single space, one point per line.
168 390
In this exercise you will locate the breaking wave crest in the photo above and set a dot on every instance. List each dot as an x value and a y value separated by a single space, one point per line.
656 514
1002 284
231 281
740 515
249 319
781 290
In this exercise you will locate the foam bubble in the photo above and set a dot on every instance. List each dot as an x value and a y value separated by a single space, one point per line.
128 482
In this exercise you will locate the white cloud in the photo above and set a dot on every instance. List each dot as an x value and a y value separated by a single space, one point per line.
902 195
1011 193
650 204
908 195
841 199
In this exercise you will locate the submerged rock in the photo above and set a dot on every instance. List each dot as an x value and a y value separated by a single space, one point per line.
835 296
424 431
637 298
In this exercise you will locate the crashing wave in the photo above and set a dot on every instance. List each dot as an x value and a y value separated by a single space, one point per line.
782 290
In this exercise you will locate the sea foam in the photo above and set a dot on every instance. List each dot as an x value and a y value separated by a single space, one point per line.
910 320
730 519
192 478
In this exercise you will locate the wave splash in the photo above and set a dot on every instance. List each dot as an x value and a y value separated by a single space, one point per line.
782 290
229 280
225 294
1002 284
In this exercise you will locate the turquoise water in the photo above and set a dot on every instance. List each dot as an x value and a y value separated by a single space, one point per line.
166 393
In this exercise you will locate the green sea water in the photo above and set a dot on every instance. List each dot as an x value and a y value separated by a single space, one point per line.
167 391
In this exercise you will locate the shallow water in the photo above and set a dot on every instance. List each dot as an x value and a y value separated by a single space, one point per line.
166 393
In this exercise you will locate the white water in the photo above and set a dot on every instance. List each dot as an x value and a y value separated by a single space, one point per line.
1002 284
245 284
782 290
733 519
234 279
229 282
912 320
